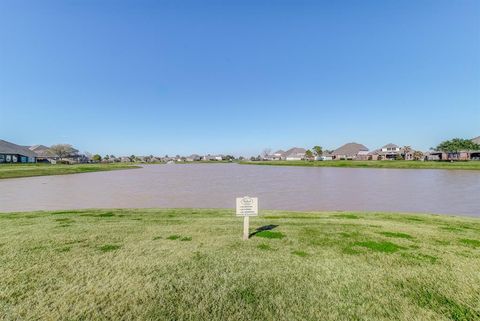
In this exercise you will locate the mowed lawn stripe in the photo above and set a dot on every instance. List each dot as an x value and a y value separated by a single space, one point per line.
191 264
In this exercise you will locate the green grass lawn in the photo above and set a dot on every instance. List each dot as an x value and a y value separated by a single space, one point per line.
27 170
192 265
472 165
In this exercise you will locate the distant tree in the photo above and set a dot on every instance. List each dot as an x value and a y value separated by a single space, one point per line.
406 150
454 146
241 158
309 154
399 157
97 158
318 150
112 156
253 158
106 158
132 158
62 150
417 155
266 152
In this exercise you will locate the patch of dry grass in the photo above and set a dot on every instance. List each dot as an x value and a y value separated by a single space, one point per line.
192 265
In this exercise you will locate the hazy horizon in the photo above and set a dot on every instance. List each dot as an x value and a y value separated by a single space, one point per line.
183 77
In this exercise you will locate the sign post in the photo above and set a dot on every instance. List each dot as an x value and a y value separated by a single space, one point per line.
246 207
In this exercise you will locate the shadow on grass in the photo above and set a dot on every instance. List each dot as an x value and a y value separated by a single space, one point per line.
262 228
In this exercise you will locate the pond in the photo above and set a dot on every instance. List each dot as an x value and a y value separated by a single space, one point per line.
285 188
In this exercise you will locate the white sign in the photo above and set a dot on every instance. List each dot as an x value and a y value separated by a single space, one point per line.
247 206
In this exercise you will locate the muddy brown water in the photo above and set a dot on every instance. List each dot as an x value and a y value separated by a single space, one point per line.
285 188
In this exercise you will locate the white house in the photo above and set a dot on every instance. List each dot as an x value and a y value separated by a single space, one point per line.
278 155
324 158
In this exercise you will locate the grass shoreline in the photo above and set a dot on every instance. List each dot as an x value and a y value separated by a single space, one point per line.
32 170
471 165
191 264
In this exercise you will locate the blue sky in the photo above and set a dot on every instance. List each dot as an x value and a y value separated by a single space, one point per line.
177 77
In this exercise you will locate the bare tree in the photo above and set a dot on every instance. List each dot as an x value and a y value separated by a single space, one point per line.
406 150
63 150
266 152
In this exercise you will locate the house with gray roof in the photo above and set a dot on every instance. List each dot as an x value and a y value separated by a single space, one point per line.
295 153
44 154
349 151
12 153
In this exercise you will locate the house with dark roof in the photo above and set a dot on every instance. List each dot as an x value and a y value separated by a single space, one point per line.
12 153
349 151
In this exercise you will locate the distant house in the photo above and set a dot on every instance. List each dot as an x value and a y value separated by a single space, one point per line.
278 155
363 155
12 153
461 155
193 158
435 156
349 151
475 154
389 151
213 157
43 153
324 157
295 153
409 155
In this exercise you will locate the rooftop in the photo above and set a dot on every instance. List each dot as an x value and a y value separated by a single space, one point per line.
350 149
11 148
